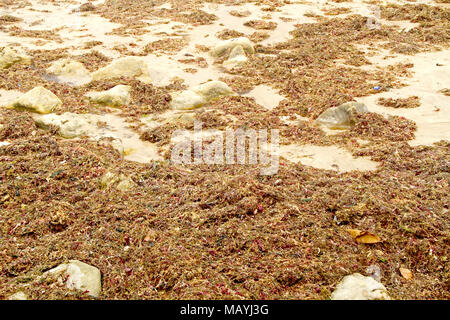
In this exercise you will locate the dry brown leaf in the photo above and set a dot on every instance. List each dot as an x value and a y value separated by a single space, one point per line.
406 273
363 236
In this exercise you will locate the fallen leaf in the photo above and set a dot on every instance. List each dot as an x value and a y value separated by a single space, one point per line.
363 236
406 273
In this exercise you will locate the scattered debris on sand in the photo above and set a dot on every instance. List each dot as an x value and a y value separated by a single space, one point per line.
93 207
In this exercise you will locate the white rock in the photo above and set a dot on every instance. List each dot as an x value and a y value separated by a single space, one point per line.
237 58
9 56
124 67
4 143
79 276
117 96
186 100
341 116
212 90
18 296
38 100
226 45
359 287
70 71
71 125
199 95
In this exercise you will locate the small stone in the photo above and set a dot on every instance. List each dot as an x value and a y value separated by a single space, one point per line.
79 276
237 58
70 71
226 45
108 179
9 56
359 287
38 100
85 7
341 116
117 96
124 67
18 296
125 184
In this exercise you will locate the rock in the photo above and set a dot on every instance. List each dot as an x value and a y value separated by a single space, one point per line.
341 116
117 96
9 56
212 90
18 296
71 125
85 7
108 179
186 100
116 143
79 276
185 118
226 45
124 183
359 287
199 95
38 100
4 143
70 71
124 67
237 58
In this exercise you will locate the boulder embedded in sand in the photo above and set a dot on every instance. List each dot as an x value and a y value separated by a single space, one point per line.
71 125
79 276
237 58
117 96
186 100
38 100
358 287
124 67
341 116
70 71
9 56
226 45
212 90
199 95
